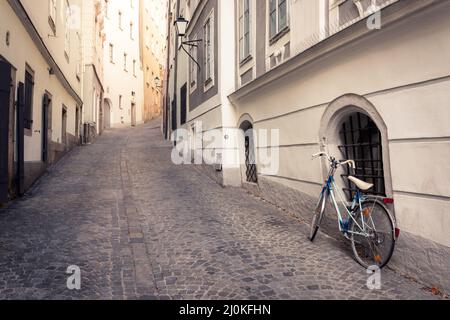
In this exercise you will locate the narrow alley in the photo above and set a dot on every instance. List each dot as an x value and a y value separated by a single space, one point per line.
140 227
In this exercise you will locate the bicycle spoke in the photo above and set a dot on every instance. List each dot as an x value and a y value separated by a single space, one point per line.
377 246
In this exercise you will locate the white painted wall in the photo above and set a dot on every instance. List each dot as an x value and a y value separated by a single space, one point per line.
22 51
405 72
116 80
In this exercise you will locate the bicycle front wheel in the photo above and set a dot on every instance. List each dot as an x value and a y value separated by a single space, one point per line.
318 215
373 235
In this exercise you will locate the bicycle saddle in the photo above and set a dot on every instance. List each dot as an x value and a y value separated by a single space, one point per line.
363 186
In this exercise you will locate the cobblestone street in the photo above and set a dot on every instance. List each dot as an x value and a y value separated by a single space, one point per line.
140 227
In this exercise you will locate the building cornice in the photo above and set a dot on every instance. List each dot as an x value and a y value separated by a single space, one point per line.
391 14
21 13
96 75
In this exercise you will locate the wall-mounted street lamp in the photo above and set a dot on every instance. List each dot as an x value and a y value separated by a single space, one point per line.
181 25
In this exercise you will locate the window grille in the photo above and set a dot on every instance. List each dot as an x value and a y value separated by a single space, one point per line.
361 141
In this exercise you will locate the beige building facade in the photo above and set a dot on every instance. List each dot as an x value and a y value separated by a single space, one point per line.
95 118
40 54
362 80
153 45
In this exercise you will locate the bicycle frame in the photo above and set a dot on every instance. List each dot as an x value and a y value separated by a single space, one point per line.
329 189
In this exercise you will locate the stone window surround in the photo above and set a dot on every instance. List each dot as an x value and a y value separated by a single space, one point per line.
279 32
52 11
280 40
249 62
209 82
391 14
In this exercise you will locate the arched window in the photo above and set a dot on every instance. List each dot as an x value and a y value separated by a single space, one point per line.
361 141
250 159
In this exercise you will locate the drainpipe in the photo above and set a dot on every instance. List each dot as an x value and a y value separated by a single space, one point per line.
167 77
175 78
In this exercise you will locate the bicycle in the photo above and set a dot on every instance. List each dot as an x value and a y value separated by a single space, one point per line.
368 224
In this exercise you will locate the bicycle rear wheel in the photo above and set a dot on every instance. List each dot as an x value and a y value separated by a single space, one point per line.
373 244
318 215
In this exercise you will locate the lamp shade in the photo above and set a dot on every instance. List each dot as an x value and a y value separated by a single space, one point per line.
181 26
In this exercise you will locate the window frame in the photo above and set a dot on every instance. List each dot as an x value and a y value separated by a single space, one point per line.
245 36
193 68
111 53
120 17
29 84
52 13
209 51
125 62
67 31
279 30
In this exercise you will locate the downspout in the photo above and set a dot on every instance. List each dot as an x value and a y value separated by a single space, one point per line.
175 78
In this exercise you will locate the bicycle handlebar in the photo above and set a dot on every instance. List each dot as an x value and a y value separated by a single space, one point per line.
321 154
324 154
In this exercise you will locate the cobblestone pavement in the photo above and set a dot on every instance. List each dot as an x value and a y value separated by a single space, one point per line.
140 227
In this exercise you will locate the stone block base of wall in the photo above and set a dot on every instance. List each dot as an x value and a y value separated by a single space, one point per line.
33 171
418 258
211 172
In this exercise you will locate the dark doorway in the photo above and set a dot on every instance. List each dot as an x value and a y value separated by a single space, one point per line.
183 102
20 139
64 127
133 115
107 114
46 104
361 141
5 99
174 115
250 159
77 124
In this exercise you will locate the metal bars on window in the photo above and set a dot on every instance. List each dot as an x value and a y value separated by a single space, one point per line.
250 163
361 141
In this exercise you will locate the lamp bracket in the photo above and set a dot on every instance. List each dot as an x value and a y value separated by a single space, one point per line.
191 43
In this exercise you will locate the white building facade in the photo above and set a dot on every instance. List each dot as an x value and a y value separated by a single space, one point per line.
95 120
40 56
363 80
123 73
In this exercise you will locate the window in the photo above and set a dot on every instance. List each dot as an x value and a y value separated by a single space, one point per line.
125 57
120 102
107 8
120 20
348 11
209 49
131 31
52 14
67 31
193 68
134 68
80 57
278 17
244 30
361 141
111 53
29 92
